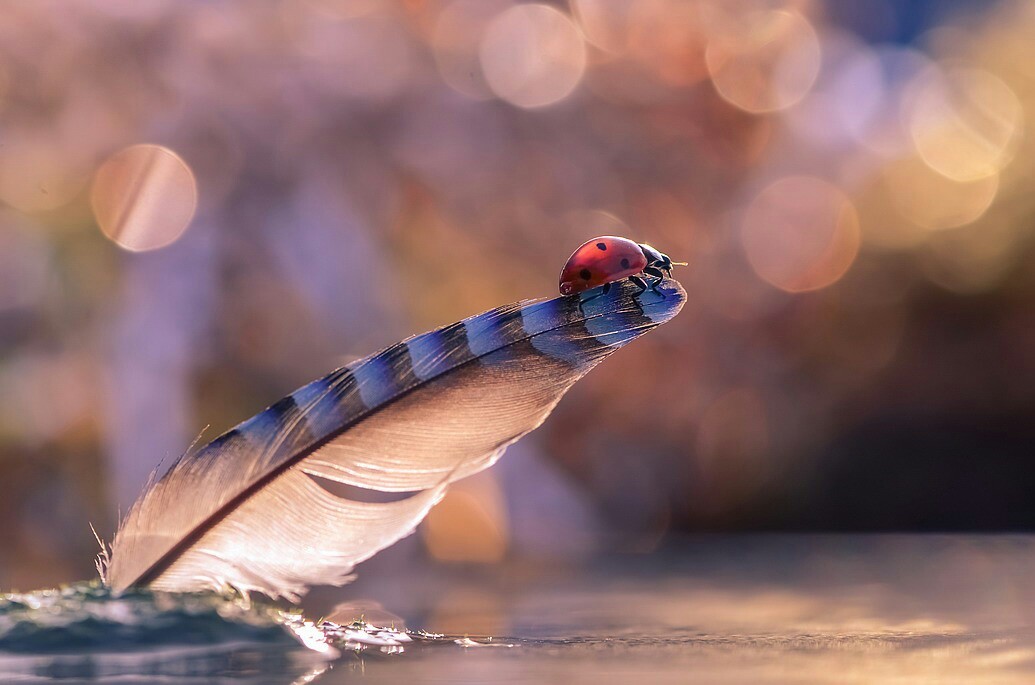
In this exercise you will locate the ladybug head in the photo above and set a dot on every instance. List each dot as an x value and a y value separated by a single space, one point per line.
658 259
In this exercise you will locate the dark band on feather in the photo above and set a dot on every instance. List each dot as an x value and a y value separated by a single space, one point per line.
454 342
280 412
574 344
325 402
260 429
384 375
493 330
221 443
436 352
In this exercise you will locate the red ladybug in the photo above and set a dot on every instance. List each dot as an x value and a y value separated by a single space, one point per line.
607 259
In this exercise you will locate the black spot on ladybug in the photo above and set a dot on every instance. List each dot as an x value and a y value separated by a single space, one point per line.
625 263
585 274
602 246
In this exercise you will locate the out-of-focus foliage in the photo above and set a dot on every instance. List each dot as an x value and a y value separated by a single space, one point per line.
204 205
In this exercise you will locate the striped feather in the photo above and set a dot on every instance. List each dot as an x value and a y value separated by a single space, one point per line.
247 510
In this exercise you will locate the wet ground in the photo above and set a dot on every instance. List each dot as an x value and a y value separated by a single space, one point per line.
771 609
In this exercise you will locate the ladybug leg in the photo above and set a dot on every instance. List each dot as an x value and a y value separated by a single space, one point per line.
658 275
640 282
603 291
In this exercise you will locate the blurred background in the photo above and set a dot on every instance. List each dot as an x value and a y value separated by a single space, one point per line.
204 205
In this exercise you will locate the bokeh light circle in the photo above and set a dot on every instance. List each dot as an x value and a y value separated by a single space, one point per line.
965 123
532 55
38 173
934 201
767 63
887 133
605 23
144 197
847 96
801 233
971 260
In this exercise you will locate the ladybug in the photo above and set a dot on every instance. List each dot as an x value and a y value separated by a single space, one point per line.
604 260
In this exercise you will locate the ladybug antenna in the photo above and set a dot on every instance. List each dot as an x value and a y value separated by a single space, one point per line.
680 264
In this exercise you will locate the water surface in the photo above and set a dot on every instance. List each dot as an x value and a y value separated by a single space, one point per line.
769 609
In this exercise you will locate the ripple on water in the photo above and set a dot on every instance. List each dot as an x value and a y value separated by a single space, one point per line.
84 631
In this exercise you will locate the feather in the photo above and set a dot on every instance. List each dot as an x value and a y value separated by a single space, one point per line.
247 510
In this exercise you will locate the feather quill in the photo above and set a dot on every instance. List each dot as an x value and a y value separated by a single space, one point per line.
247 510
